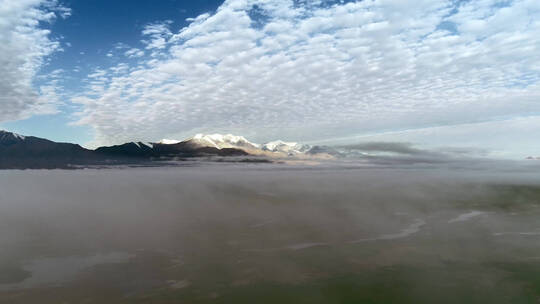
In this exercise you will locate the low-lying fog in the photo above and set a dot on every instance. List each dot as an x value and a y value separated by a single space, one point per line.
270 234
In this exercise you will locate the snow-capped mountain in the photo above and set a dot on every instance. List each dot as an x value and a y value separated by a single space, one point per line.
17 151
28 152
222 141
289 148
276 148
10 137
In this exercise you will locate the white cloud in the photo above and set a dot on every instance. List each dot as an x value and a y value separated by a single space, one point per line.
318 71
134 53
23 49
121 46
158 34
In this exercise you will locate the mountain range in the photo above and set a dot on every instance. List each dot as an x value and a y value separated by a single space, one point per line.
28 152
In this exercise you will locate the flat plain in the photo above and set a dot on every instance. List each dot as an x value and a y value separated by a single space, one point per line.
262 233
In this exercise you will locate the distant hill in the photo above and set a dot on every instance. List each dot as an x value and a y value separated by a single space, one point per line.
17 151
28 152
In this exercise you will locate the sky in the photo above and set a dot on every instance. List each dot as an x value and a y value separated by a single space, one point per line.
457 74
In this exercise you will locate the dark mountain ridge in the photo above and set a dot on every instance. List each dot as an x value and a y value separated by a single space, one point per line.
28 152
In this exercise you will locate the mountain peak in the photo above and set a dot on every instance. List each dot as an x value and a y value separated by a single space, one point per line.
6 136
18 151
285 147
221 141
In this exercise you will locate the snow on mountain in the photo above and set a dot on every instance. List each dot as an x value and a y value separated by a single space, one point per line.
290 148
142 145
169 141
18 136
20 152
276 148
223 141
9 136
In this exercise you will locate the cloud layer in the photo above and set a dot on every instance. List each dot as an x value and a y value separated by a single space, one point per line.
284 68
24 46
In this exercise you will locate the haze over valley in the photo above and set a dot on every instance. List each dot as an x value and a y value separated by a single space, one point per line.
231 233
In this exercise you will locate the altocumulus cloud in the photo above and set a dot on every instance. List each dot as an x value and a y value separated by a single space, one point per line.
24 45
283 68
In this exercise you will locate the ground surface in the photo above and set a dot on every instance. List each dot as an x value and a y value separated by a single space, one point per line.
269 234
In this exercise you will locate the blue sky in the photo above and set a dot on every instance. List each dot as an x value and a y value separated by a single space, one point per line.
434 73
92 30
